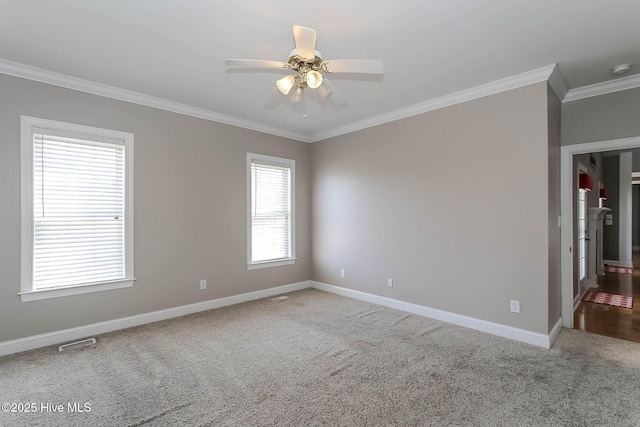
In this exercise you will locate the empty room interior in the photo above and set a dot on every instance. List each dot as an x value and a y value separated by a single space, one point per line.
340 213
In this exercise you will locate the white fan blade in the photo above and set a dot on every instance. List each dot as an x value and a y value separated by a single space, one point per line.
305 40
362 66
255 63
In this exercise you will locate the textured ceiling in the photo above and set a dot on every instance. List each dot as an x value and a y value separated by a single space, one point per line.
175 49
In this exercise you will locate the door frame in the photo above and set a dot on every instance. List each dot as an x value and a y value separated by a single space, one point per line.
566 211
582 282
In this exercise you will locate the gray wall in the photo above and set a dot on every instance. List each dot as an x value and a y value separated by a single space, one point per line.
190 209
610 234
636 202
453 204
636 160
555 275
458 205
600 118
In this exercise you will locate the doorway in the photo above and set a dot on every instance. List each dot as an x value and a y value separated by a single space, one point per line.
613 283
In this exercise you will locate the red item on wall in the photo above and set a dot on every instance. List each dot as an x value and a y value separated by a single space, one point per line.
585 182
603 195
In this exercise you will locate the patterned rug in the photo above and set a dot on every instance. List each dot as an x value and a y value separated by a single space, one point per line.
623 270
608 299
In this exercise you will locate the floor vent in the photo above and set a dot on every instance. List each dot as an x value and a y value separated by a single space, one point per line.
280 298
77 344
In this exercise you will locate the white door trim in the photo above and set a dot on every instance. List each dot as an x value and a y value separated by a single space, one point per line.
566 208
625 211
582 280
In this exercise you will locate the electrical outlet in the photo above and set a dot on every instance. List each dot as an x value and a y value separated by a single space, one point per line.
341 273
203 284
515 306
389 281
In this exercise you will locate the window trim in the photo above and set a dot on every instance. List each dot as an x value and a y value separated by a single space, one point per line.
277 161
27 126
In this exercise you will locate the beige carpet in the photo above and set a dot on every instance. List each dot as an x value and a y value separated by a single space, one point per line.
322 359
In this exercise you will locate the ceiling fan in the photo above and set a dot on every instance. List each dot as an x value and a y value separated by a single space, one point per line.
308 67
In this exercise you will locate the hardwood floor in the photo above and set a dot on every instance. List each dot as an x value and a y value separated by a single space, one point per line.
613 321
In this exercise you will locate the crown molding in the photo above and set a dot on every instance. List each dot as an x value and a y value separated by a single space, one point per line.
509 83
62 80
558 83
603 88
57 79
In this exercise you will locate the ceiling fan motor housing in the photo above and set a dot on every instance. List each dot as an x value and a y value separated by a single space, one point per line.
300 64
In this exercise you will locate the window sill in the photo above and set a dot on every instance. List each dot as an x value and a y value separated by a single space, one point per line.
276 263
74 290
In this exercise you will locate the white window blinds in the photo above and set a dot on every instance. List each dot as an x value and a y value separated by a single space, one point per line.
270 211
78 209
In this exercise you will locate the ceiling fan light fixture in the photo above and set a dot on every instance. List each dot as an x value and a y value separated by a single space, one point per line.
297 94
308 69
314 79
285 84
324 91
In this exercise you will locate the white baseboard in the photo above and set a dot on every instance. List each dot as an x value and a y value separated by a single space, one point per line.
57 337
555 331
616 263
535 338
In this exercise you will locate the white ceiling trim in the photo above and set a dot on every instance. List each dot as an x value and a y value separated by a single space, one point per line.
44 76
509 83
558 83
74 83
603 88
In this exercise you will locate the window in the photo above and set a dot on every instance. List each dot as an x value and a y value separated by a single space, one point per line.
270 182
77 209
